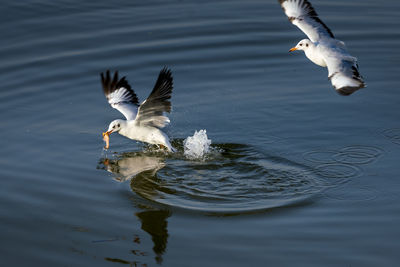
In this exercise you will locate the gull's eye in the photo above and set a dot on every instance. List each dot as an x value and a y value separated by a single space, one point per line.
307 45
118 125
301 44
113 126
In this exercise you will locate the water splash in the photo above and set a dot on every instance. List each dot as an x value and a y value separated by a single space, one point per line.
197 146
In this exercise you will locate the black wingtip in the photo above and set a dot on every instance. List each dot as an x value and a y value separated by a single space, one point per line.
165 81
166 72
162 90
105 81
348 90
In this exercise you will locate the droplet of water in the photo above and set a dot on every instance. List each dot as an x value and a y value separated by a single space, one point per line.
197 146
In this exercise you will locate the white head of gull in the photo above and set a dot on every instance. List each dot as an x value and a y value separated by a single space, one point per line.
145 121
323 48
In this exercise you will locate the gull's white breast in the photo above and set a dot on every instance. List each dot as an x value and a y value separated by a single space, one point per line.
147 134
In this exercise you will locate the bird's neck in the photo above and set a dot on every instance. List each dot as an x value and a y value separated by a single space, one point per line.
313 54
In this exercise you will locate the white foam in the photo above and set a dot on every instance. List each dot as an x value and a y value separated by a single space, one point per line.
196 146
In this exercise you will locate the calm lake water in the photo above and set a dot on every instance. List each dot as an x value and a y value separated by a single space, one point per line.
299 176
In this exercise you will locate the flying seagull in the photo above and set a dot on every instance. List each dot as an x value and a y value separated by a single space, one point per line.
145 121
323 48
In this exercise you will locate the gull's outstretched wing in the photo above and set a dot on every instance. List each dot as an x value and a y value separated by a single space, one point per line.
303 15
344 74
120 95
151 111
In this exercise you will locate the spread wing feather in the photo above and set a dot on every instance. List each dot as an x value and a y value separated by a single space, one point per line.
120 94
302 14
152 111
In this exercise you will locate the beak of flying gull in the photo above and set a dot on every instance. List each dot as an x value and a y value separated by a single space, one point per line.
292 49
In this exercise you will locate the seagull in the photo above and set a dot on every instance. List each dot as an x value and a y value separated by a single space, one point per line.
322 48
145 121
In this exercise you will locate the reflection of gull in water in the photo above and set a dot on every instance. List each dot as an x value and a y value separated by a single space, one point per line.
155 223
128 167
142 169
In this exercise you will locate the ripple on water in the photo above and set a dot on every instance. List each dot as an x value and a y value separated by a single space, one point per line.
239 178
353 155
336 167
393 135
358 154
337 170
320 156
352 193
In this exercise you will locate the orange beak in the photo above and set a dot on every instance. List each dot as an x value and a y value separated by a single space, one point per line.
107 133
106 138
292 49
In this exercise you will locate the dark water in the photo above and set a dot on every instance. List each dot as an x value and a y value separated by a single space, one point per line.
300 176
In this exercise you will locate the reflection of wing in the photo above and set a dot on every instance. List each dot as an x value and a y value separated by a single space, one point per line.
120 95
344 74
151 111
302 14
128 168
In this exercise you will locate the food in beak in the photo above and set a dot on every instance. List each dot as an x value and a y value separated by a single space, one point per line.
106 138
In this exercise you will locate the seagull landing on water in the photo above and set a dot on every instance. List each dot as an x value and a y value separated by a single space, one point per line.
143 122
322 48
